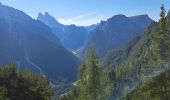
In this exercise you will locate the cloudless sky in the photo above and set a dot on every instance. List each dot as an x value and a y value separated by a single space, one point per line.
86 12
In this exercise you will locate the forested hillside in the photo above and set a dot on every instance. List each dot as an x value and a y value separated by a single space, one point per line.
17 85
142 59
157 88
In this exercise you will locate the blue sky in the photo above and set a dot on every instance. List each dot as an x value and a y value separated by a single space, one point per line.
87 12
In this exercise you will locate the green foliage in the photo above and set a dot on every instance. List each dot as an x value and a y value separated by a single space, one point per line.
139 64
4 93
152 90
94 82
17 85
90 76
143 59
161 40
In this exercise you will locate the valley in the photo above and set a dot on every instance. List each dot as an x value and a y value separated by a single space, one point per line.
122 57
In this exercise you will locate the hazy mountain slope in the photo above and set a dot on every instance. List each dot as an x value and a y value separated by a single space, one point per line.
116 32
139 64
33 46
71 36
135 67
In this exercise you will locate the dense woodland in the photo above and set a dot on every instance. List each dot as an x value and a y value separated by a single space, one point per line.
148 59
17 85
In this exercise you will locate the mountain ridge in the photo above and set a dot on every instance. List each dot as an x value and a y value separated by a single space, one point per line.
66 33
25 40
115 33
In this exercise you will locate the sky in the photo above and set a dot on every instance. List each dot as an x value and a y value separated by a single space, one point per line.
88 12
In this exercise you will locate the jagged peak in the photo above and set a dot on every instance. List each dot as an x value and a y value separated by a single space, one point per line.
48 19
47 14
40 15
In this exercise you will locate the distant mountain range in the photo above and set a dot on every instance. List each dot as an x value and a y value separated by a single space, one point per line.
115 33
71 36
42 45
108 35
33 46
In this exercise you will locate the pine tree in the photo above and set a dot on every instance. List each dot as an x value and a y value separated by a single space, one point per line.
162 38
94 75
94 80
162 43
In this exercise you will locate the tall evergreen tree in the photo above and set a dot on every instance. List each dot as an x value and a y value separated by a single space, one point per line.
162 43
94 81
162 38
